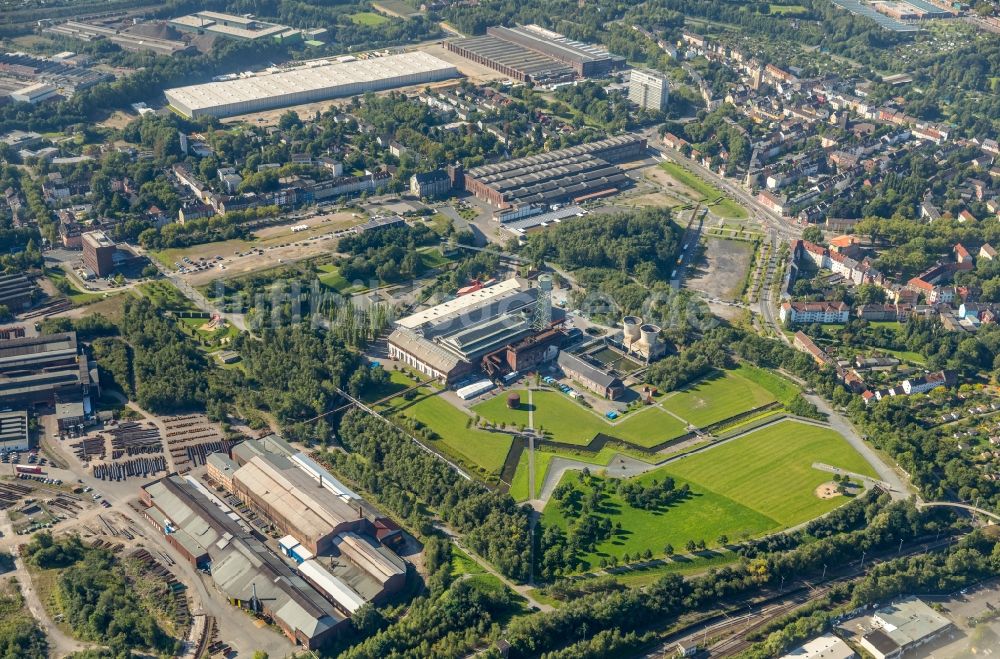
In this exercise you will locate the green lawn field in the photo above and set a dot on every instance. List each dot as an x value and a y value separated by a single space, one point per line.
704 516
368 18
432 257
519 484
787 10
720 204
565 420
331 278
477 447
543 460
723 395
770 470
761 482
79 298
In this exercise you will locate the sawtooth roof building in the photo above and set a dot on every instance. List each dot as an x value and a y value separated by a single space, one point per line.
576 174
533 54
45 370
448 341
317 81
252 577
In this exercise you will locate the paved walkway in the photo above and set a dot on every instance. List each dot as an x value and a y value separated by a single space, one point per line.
898 487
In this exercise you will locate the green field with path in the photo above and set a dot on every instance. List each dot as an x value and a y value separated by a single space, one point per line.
758 483
368 18
565 420
725 394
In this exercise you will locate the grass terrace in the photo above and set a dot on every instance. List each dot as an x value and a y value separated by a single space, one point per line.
727 394
368 18
565 420
477 448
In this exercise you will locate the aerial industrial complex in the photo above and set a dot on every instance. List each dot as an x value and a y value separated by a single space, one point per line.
336 545
448 341
534 54
229 26
317 81
503 330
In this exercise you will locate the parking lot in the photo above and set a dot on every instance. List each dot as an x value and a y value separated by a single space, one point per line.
301 237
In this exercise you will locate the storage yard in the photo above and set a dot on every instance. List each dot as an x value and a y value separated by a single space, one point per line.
317 81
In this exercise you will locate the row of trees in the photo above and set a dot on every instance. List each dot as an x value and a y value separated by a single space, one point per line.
402 475
635 610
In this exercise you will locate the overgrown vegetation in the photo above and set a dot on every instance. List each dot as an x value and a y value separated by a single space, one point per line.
96 598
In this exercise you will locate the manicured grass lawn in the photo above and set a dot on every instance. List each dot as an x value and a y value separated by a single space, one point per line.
720 204
397 382
433 258
770 470
543 461
705 515
331 278
782 389
790 10
76 296
519 484
565 420
648 427
906 355
477 447
368 18
761 482
721 396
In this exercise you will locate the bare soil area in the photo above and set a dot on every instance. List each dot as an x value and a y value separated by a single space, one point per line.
721 270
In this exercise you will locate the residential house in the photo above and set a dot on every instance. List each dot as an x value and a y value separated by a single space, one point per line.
814 312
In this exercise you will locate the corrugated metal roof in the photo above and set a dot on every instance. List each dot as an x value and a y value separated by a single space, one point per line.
335 589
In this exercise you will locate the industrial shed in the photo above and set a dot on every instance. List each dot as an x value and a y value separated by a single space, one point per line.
308 84
574 173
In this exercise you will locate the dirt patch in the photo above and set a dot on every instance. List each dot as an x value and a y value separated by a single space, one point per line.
828 490
721 270
278 243
117 120
672 186
657 200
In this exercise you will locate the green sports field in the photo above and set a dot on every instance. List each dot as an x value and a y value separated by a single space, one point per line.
761 482
726 394
368 18
704 516
770 470
565 420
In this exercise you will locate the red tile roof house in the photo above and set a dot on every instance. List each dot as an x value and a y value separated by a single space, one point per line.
963 259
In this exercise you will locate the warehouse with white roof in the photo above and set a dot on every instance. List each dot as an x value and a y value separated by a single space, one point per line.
308 84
